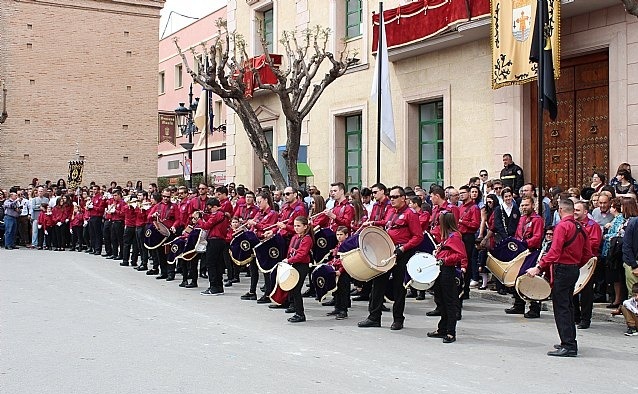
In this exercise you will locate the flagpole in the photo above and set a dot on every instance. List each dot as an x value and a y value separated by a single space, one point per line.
541 99
380 62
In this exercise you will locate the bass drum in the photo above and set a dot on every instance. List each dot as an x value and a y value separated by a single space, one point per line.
269 252
373 256
586 272
155 235
534 288
422 270
324 278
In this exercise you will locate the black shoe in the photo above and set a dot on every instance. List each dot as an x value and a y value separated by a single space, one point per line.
514 311
397 325
384 308
142 267
355 292
40 248
420 297
123 264
558 346
183 283
106 255
369 323
482 288
249 297
133 264
290 310
435 334
161 277
152 271
263 300
329 303
502 292
89 251
212 291
297 319
342 315
203 275
562 352
532 315
334 312
228 283
361 298
110 258
583 325
191 285
235 280
434 312
275 306
308 293
411 294
449 338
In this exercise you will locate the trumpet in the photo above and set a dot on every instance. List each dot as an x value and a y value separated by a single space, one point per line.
146 205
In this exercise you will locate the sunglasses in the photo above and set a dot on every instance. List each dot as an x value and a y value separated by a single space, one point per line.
394 197
483 174
498 188
288 193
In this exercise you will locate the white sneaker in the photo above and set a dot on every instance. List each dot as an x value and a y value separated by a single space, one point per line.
473 283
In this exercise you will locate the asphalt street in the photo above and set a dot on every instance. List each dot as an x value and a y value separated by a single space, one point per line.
74 323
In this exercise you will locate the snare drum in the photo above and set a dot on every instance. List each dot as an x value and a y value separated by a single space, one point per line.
325 279
155 235
196 237
241 247
422 269
373 256
534 288
269 252
586 272
325 241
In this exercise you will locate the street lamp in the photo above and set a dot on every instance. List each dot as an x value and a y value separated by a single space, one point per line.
187 127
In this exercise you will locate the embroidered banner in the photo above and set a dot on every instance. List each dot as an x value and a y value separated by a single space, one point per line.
76 168
512 31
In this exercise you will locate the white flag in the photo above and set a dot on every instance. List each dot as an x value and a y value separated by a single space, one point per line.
201 115
385 112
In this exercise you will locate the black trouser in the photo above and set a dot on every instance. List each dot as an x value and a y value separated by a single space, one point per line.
446 290
295 294
254 276
468 241
599 279
117 237
519 303
215 262
342 294
398 290
159 258
129 242
232 270
86 233
141 248
584 303
78 237
565 277
42 237
23 230
191 267
106 233
58 235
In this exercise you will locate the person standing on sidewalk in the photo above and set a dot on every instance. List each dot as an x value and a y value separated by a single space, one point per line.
35 210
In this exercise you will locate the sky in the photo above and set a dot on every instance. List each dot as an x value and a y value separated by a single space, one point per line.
191 8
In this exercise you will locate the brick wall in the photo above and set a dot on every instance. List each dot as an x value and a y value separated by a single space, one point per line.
81 74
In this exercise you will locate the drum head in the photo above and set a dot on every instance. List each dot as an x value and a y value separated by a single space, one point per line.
533 288
586 272
162 229
287 276
423 269
376 246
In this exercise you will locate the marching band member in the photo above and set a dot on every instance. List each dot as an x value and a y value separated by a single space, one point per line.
130 228
247 209
570 249
342 214
266 217
404 230
530 230
299 256
163 212
106 228
451 255
217 227
59 218
416 205
198 203
77 221
317 205
468 224
584 301
140 223
45 224
117 225
182 219
292 208
226 206
342 294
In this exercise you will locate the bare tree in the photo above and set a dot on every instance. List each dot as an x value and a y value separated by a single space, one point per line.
631 6
305 52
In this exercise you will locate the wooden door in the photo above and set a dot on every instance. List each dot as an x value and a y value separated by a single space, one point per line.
577 143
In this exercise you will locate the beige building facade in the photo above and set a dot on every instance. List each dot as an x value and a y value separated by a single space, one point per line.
449 122
81 77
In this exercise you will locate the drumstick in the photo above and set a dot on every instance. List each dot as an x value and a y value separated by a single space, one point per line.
287 220
239 230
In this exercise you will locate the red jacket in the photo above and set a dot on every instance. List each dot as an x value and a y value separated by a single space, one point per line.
245 212
344 212
216 225
120 210
469 218
264 219
299 249
109 204
594 233
336 261
58 214
46 221
77 219
288 214
182 213
531 230
166 213
130 216
452 251
435 228
99 204
424 219
140 219
322 221
379 212
226 207
576 253
404 228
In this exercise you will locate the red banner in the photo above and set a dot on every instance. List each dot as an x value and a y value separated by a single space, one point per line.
423 19
167 123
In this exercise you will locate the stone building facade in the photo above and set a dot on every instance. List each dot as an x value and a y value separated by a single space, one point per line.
81 77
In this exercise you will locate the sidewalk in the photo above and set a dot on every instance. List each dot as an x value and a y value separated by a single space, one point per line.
600 313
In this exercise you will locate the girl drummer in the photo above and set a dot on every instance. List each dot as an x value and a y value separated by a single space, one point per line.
342 294
299 256
451 255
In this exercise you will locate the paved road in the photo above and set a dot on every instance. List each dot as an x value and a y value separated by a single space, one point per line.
73 323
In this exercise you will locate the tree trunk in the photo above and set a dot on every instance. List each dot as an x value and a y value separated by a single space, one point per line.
293 126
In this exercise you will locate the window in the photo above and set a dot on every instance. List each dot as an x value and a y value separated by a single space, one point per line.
178 76
173 165
218 154
353 18
431 143
269 137
353 151
162 83
268 29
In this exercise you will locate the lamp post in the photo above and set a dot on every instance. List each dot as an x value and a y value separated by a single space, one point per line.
187 127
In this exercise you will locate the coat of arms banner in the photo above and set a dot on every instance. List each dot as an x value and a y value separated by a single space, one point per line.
512 31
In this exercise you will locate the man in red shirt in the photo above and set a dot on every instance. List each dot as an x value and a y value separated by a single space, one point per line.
570 250
130 219
405 231
248 209
96 213
469 222
217 227
117 225
292 208
164 212
584 301
342 214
